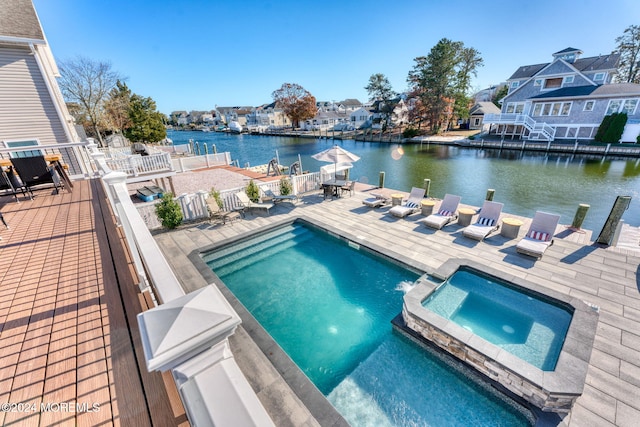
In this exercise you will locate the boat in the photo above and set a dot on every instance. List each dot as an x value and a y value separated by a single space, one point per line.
235 127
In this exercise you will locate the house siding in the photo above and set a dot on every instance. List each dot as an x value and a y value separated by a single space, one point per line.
26 108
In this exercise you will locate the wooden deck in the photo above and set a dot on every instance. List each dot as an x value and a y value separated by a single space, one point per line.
70 352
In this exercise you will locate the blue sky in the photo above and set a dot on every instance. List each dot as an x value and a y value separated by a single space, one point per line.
196 54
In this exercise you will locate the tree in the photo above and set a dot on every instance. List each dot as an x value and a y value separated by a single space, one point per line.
629 49
442 79
500 93
88 83
296 102
147 124
117 108
380 90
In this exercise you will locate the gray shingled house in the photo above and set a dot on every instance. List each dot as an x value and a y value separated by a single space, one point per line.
566 99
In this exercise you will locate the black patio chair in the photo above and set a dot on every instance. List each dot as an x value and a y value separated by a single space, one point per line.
35 172
6 186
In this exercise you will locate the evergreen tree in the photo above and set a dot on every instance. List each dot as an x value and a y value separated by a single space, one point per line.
442 79
380 90
147 124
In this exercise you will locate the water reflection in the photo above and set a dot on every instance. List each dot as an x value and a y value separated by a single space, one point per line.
524 181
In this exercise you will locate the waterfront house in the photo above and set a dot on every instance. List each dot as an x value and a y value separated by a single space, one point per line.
361 117
566 99
32 110
477 113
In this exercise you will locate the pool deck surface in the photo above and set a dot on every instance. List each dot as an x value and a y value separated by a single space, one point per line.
606 277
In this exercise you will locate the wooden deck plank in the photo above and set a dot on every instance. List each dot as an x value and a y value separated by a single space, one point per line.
64 336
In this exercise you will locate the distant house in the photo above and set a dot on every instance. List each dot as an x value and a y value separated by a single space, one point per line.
361 117
31 105
566 98
487 94
477 113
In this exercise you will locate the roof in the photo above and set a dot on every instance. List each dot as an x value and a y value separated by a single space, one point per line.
610 90
484 108
567 50
18 19
594 63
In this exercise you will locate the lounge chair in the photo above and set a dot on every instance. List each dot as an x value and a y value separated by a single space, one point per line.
487 221
540 234
376 201
277 198
446 213
215 213
411 205
248 204
34 172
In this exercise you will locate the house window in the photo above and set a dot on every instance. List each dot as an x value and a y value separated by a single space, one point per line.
568 79
552 109
24 143
614 106
629 106
538 82
476 121
537 109
598 77
553 83
588 106
515 108
514 85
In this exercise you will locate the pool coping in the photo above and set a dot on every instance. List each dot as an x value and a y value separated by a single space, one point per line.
554 391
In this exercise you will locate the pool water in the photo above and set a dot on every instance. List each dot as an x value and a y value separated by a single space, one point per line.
528 327
329 305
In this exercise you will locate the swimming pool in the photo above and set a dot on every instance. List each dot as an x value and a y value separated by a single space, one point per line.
328 303
528 327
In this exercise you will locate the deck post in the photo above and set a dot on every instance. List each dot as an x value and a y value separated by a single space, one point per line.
381 180
427 185
609 229
490 193
578 219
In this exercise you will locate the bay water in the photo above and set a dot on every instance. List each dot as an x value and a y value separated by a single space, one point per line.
524 181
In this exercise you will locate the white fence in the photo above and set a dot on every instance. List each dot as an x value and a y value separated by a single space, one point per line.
194 206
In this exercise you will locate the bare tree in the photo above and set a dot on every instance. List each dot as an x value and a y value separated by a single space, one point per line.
87 83
629 50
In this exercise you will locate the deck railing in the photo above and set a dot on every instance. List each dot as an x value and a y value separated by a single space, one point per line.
198 353
74 156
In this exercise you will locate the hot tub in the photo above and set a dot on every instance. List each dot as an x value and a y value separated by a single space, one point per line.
533 341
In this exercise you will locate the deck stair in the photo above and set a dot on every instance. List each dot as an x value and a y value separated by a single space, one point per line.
537 130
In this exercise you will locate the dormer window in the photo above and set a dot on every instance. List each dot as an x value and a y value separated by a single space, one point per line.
538 82
514 85
567 79
553 83
598 77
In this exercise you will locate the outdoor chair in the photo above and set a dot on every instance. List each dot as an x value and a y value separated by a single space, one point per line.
7 186
215 213
446 213
271 196
34 172
248 204
350 188
487 221
540 235
376 201
411 205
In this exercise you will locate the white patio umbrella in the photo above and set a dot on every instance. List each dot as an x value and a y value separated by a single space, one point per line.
336 155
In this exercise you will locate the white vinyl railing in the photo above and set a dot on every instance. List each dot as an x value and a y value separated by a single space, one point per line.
198 353
548 132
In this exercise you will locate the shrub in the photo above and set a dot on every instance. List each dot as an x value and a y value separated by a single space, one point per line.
638 139
285 186
253 191
616 128
604 126
410 132
169 211
216 196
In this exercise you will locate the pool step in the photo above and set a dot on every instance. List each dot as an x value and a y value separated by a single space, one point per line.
240 262
241 246
250 253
